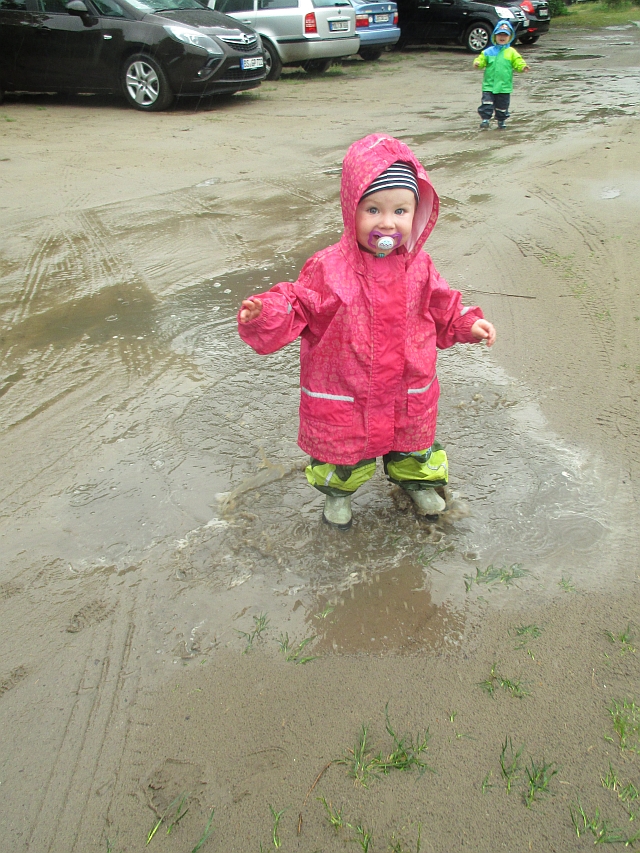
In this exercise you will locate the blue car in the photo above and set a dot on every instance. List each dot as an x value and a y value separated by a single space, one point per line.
377 26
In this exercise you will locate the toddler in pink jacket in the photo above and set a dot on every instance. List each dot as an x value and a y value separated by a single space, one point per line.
371 312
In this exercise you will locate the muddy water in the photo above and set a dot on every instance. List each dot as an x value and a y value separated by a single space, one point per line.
153 500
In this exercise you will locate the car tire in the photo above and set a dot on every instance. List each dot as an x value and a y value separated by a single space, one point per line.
369 54
272 61
529 39
316 66
477 37
145 84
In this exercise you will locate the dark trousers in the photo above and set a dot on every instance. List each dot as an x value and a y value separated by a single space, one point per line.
499 102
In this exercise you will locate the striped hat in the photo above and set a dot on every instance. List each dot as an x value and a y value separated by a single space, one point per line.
398 176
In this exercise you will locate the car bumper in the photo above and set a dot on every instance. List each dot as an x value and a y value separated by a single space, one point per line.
536 27
378 38
215 76
301 49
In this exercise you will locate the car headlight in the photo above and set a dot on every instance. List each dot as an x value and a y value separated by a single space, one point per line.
503 12
188 35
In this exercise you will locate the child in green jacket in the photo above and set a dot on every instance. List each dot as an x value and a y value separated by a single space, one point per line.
499 60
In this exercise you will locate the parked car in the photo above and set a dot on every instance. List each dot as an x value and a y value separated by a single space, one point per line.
306 33
538 15
149 50
466 22
377 26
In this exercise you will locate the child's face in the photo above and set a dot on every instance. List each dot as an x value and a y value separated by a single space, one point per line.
502 38
390 212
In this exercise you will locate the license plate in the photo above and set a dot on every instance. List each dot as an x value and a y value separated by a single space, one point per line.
335 26
381 19
252 62
542 13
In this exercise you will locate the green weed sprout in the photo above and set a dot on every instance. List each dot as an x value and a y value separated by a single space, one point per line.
596 825
276 821
493 575
295 654
180 800
260 625
625 716
207 832
489 685
334 816
510 762
538 778
625 638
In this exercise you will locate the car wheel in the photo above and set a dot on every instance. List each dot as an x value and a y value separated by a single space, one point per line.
272 61
145 84
369 54
477 38
316 66
529 39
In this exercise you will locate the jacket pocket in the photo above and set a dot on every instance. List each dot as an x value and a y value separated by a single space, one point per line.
421 400
333 409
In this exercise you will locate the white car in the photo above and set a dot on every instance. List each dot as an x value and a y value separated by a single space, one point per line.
308 33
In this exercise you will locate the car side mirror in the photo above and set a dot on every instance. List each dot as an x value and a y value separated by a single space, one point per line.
77 7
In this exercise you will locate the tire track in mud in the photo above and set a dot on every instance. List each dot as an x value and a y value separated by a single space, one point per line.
91 742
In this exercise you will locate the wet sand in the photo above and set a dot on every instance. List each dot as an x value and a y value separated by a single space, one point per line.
154 509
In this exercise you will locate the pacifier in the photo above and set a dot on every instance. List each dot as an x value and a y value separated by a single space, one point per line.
384 243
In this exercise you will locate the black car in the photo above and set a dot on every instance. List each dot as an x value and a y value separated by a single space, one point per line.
537 12
466 22
150 50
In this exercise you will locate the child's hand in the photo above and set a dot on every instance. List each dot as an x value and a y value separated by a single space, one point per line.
483 330
250 309
526 68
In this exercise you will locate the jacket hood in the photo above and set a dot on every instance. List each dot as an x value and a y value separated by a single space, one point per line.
502 26
365 160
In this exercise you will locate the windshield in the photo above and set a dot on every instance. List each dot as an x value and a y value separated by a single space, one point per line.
164 5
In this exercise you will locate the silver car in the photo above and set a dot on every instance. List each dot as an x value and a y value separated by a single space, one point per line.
308 33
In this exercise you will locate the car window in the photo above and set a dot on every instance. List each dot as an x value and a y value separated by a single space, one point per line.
231 6
109 8
54 7
164 5
321 4
277 4
19 5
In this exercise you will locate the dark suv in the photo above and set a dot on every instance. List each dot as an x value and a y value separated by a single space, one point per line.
467 22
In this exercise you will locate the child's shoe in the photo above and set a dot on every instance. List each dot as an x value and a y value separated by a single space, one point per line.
337 512
427 501
484 124
501 125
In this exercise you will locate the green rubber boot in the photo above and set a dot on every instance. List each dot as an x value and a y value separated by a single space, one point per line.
337 512
427 501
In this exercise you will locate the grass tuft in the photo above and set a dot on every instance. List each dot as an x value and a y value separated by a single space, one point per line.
625 716
294 654
624 639
260 625
495 679
510 762
364 765
334 816
207 832
275 837
493 575
538 778
596 825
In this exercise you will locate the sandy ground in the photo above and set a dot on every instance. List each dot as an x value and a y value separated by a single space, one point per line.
154 510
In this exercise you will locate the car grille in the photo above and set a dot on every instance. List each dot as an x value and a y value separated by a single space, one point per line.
233 75
236 44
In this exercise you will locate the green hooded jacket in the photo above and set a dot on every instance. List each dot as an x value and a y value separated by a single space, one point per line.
499 63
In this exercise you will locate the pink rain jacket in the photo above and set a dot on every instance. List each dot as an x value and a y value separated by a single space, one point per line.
369 327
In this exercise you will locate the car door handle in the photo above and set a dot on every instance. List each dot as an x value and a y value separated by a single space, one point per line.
246 22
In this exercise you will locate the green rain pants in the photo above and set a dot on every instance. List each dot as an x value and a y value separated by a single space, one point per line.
423 469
